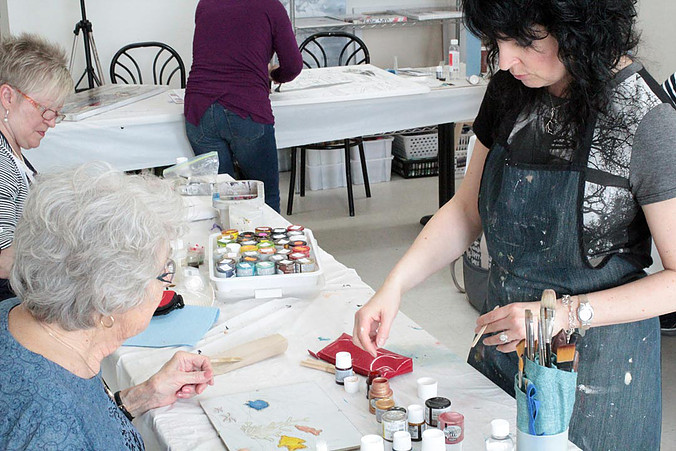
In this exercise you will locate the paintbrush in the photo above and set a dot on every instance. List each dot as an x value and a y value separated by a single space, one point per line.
548 308
481 332
318 365
520 347
530 338
565 356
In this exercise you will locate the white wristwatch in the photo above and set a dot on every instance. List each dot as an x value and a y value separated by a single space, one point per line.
585 313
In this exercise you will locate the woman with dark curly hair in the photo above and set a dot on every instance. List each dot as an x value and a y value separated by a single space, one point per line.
571 177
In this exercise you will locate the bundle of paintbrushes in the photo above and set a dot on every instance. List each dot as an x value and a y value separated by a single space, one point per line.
546 380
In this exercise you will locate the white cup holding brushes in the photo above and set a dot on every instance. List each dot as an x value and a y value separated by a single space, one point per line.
372 442
527 442
427 388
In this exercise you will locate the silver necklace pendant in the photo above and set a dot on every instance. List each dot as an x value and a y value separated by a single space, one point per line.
549 126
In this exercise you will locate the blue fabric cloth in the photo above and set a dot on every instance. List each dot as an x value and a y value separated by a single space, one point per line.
249 143
43 406
182 327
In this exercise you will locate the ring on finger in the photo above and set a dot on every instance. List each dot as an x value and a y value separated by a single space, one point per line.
503 337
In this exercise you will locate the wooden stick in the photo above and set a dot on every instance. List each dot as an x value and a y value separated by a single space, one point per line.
481 332
249 353
318 365
216 360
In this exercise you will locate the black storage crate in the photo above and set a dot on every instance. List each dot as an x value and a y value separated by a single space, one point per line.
408 169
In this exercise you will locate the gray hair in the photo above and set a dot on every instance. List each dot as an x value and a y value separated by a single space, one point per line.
90 242
33 65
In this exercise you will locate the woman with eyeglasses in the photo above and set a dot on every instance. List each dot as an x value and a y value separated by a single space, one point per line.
91 264
34 83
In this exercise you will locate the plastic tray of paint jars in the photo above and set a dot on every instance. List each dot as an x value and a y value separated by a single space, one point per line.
301 285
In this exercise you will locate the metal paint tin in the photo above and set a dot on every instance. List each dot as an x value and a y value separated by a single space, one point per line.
245 269
263 229
284 252
282 243
393 421
295 228
233 232
266 244
302 249
435 407
382 406
296 256
245 236
276 258
248 242
226 268
248 248
453 425
250 259
286 267
266 253
260 236
295 242
305 264
265 268
279 231
223 241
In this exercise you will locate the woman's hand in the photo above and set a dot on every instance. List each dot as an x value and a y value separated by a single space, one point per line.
184 376
510 320
372 322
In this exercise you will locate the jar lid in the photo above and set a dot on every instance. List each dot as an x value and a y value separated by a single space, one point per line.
343 359
416 414
401 441
499 428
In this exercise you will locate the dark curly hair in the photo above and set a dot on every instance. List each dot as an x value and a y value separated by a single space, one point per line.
592 35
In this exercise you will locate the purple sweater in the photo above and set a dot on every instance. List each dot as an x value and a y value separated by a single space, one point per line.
234 42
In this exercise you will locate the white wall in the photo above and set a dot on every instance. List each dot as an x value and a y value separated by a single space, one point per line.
119 22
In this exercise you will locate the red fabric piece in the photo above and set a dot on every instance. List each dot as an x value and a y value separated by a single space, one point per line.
388 363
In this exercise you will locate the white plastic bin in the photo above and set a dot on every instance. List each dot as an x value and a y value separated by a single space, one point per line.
374 148
301 285
380 170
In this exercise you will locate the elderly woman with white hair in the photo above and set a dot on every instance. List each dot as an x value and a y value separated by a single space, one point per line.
91 262
34 83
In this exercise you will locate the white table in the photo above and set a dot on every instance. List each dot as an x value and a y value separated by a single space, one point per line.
151 132
307 324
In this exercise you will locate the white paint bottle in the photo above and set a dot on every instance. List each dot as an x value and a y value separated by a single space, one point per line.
343 366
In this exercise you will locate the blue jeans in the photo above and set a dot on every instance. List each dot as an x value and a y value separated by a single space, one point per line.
250 144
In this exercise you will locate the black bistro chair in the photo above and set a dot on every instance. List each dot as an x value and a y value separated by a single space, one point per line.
124 67
324 49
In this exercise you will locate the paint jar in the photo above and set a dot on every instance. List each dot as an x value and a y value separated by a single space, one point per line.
286 267
233 248
380 388
226 268
433 440
266 244
285 252
264 229
279 231
372 442
246 236
500 439
393 421
401 441
382 406
297 242
248 248
369 380
453 426
343 366
295 228
245 269
265 253
282 243
416 421
435 407
302 249
265 268
305 265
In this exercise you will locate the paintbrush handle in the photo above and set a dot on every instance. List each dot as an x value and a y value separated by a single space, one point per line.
318 365
217 360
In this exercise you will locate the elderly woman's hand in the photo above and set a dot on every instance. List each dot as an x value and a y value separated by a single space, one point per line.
184 376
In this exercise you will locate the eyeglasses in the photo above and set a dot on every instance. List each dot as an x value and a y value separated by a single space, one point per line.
47 114
169 270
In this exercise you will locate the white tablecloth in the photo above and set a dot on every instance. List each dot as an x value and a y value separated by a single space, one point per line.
151 132
307 324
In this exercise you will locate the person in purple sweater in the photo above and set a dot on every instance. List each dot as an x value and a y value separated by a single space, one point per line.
227 104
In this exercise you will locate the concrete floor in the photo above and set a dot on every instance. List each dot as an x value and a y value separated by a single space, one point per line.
382 230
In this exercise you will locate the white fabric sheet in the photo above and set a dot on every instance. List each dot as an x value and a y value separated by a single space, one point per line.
307 324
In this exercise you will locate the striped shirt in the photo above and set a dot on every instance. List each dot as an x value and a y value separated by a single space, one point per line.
669 85
13 193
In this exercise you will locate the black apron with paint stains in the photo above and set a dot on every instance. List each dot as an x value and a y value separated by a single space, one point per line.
532 220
